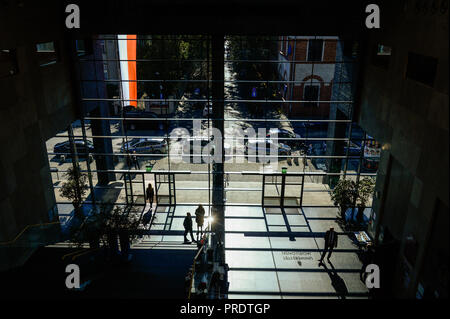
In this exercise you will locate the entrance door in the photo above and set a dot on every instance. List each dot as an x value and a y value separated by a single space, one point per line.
165 189
282 190
293 190
134 188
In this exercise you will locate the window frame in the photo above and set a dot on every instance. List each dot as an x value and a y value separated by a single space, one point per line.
45 61
308 50
318 94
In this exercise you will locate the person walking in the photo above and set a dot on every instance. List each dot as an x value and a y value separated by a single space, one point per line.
150 194
199 219
331 240
188 228
129 159
136 161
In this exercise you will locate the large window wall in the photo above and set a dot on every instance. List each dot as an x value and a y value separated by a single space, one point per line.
271 85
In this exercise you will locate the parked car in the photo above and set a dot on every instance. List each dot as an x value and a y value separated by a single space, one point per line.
261 147
284 136
145 145
135 120
80 146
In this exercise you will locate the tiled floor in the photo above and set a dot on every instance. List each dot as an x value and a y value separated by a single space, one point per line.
272 253
273 265
265 266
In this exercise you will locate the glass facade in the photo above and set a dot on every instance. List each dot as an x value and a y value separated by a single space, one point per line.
287 108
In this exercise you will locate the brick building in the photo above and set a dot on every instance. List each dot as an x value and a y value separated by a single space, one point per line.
309 64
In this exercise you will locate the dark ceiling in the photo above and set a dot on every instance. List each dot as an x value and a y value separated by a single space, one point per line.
249 17
22 21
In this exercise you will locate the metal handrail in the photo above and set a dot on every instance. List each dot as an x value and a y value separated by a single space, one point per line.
90 250
23 231
193 268
71 253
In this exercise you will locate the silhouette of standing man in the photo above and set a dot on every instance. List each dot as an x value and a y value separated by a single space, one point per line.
188 228
199 219
331 240
135 161
150 194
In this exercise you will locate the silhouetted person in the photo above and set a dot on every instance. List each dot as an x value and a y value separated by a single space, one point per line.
150 193
129 163
199 219
331 240
129 160
188 228
135 161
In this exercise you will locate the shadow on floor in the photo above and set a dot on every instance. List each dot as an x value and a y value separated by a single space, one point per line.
336 281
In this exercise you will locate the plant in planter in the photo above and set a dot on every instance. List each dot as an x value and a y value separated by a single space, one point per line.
365 189
90 230
105 227
121 224
74 189
343 195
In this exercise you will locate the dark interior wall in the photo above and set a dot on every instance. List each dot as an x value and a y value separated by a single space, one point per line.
36 103
410 119
397 198
434 276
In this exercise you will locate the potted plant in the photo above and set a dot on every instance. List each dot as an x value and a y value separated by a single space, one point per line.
343 195
90 230
365 188
123 225
107 225
74 189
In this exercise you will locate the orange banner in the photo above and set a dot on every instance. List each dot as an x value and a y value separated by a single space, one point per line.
132 76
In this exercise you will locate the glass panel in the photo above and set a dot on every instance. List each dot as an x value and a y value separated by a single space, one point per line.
264 101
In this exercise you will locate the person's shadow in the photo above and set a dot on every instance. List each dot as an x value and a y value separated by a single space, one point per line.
336 281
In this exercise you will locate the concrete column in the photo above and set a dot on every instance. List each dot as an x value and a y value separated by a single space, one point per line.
335 130
94 70
102 145
218 52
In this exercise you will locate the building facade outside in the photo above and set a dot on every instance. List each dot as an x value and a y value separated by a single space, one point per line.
308 64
